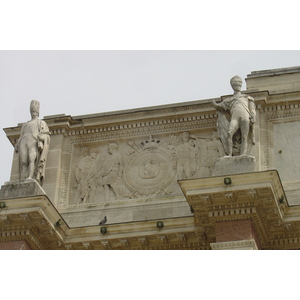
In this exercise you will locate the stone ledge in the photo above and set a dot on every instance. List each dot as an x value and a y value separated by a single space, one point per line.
235 245
21 189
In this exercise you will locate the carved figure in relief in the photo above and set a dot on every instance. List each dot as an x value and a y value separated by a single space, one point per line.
33 146
186 156
87 175
211 150
112 170
236 119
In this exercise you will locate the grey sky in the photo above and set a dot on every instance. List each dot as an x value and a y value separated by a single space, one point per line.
85 82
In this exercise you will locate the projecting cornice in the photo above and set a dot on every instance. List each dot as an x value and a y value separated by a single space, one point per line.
35 220
258 196
164 118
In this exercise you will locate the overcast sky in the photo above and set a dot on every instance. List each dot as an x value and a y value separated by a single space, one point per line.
86 82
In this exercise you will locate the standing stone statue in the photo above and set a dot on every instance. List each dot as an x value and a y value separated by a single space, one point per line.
33 146
236 119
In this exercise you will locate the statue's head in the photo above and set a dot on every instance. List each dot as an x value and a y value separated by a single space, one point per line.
185 136
236 83
35 108
93 152
112 147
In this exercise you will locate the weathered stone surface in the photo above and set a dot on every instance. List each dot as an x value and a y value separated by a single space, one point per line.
286 150
234 164
33 146
236 120
21 188
275 80
156 147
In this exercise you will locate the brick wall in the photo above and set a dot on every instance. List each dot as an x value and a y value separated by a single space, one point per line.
15 245
236 230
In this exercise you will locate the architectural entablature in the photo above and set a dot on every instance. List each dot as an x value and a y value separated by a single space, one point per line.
193 111
258 196
36 220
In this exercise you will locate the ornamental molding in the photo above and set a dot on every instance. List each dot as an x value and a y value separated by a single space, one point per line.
37 226
235 245
261 203
31 227
175 114
202 106
145 127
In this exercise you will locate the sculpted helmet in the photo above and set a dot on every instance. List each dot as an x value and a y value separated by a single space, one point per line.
236 78
35 106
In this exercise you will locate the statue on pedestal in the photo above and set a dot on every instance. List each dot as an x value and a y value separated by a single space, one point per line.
33 146
236 120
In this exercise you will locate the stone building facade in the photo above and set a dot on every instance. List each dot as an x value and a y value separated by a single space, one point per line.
152 173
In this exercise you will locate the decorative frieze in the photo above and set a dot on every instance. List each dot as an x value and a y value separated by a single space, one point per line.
138 167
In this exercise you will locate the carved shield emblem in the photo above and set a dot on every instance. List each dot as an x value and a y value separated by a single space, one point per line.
149 170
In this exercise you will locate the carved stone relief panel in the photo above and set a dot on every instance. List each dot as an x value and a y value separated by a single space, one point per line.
211 149
101 172
96 173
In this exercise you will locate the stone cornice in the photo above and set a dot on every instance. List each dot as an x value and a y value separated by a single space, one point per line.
197 115
200 113
235 245
35 219
257 196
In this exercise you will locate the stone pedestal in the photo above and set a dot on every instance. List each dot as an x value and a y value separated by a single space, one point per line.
21 189
234 165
